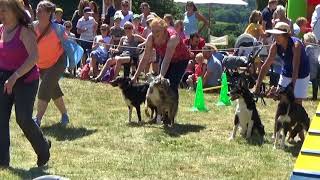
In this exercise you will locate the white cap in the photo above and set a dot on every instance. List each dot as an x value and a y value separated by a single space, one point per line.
279 28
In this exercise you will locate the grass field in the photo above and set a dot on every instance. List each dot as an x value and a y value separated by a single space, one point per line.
100 144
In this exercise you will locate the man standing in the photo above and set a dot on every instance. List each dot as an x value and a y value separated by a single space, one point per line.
145 9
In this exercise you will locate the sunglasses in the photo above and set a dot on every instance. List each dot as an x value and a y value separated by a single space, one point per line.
103 29
125 5
68 27
128 28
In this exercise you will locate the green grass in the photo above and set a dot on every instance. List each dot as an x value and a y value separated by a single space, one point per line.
100 144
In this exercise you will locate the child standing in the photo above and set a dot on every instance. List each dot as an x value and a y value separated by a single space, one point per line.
116 31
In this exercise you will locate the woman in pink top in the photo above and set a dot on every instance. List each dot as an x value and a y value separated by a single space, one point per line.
19 80
171 49
52 63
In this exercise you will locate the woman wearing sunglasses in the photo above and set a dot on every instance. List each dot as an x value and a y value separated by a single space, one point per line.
127 49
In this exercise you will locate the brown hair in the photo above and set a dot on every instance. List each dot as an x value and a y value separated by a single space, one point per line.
96 8
301 20
255 17
107 27
48 6
169 17
18 9
190 3
82 5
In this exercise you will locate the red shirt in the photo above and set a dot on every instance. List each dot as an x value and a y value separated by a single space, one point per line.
181 52
313 2
201 44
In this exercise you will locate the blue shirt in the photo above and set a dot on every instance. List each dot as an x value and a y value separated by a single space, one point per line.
215 68
267 17
190 24
287 57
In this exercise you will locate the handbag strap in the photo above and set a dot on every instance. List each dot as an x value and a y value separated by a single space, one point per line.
44 32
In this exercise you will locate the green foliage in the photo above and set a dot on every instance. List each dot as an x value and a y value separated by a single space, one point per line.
160 7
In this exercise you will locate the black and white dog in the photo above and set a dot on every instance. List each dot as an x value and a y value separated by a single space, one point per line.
246 115
134 94
290 117
161 96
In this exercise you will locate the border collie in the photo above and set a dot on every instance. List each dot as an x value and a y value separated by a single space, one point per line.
290 117
246 115
164 99
134 94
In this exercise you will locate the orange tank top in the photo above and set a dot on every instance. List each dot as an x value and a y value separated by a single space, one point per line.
50 49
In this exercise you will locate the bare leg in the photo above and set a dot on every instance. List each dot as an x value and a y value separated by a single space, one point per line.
60 105
130 113
93 67
119 62
41 109
110 62
249 130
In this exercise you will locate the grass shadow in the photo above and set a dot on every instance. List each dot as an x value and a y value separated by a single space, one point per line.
62 133
294 149
181 129
28 174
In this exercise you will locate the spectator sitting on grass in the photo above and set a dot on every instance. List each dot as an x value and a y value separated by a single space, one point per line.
301 27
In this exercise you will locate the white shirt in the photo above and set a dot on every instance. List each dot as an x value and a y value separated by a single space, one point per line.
89 25
106 40
128 17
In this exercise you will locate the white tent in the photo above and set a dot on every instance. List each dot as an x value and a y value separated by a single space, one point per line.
210 2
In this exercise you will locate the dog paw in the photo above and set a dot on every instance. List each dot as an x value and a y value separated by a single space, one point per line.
274 147
230 138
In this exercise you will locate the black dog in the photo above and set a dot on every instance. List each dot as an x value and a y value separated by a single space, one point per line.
133 94
246 114
290 117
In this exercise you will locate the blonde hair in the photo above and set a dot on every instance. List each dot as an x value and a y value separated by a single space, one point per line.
160 22
310 38
199 55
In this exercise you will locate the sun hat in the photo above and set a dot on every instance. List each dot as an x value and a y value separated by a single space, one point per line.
87 10
279 28
59 10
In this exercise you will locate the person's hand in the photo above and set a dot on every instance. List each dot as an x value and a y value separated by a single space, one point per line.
8 85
